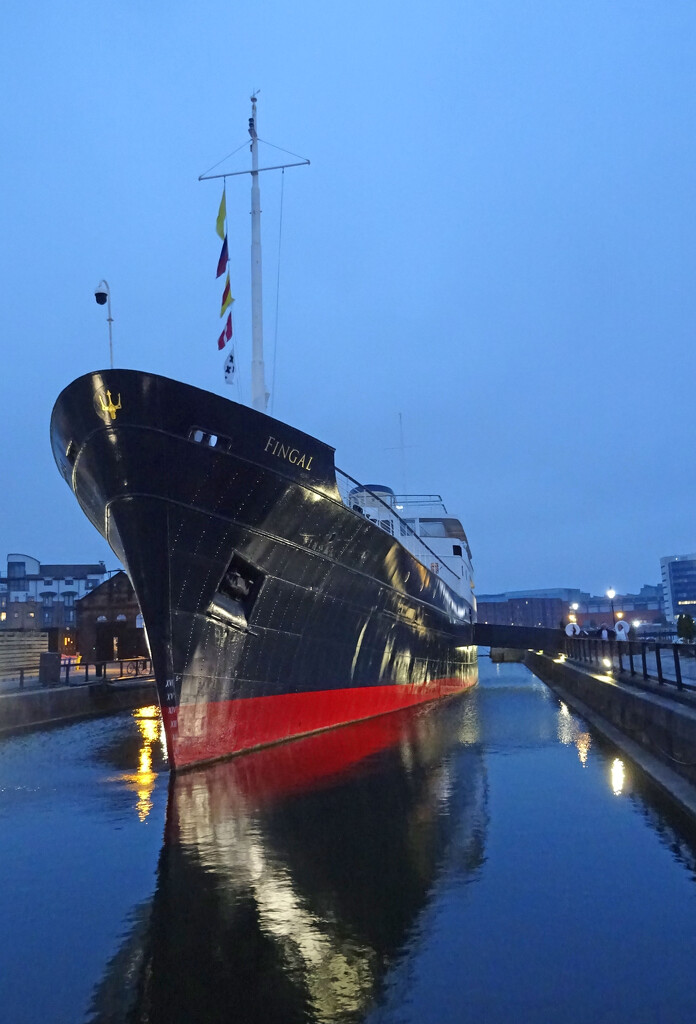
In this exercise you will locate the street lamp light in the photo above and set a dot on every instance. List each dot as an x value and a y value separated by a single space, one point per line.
611 594
103 296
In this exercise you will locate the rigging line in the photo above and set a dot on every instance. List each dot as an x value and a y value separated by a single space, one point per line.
288 151
225 158
275 333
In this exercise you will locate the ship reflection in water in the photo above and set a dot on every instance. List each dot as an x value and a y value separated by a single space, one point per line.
291 878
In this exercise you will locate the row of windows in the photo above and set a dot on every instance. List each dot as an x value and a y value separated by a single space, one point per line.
23 584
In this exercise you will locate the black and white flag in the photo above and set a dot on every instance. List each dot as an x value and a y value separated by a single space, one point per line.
229 368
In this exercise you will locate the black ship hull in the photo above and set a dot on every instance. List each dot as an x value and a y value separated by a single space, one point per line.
272 609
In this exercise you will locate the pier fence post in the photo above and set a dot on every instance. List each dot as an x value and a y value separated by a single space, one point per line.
677 666
658 659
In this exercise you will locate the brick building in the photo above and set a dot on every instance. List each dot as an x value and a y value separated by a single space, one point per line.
564 604
109 623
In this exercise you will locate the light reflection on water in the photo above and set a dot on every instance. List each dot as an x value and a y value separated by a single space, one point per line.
572 730
618 776
142 781
464 861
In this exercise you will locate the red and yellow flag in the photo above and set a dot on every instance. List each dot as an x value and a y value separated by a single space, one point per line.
227 299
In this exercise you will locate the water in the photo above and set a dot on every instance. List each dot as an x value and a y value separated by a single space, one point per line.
490 859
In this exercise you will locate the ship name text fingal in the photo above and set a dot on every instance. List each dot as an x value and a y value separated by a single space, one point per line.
286 451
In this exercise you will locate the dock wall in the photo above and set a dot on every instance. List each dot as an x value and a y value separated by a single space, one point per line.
33 708
663 726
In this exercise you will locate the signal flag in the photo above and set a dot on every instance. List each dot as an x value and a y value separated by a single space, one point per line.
222 215
224 259
227 299
229 368
227 332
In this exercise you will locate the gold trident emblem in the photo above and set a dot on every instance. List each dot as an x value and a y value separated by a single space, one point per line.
109 406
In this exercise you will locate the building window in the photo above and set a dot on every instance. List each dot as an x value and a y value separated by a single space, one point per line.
68 581
69 600
48 583
457 550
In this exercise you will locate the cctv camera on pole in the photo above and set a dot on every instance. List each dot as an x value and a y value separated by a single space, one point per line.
103 297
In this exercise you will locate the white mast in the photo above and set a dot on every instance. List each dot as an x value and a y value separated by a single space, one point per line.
259 395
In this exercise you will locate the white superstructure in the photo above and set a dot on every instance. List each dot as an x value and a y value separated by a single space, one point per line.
422 524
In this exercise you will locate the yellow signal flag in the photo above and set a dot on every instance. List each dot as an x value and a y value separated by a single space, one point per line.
222 215
227 299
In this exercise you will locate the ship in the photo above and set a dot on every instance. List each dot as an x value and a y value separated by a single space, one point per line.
280 596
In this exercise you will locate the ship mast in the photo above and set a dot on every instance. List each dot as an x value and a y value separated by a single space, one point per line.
259 395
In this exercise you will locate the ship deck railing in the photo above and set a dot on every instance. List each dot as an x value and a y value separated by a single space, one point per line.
406 534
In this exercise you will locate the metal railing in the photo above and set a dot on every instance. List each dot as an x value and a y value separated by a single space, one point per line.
73 673
407 535
668 664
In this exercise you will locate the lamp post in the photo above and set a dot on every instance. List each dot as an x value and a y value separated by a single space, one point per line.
103 296
611 594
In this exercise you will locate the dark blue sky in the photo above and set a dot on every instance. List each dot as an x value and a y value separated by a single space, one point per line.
495 238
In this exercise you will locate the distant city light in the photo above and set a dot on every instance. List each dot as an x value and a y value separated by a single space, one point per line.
611 594
606 662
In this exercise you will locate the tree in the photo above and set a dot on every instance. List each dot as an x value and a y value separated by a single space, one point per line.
686 628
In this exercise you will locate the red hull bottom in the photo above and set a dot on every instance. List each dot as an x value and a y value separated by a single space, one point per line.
207 732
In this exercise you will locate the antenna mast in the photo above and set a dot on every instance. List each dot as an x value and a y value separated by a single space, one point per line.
259 395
